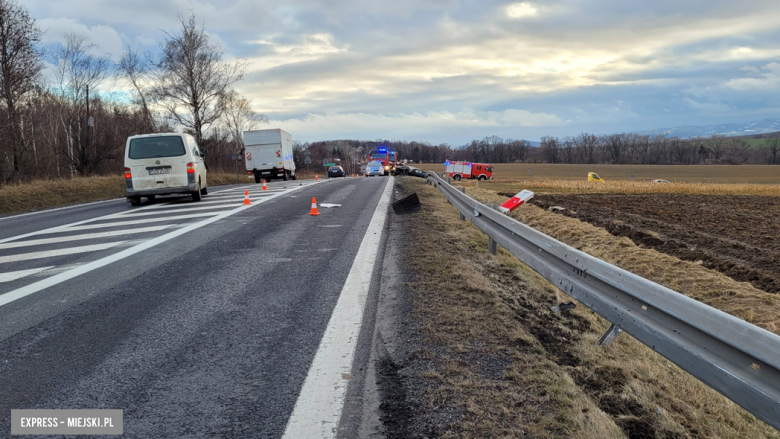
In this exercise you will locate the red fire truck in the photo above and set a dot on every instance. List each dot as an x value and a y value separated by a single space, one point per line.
388 158
479 171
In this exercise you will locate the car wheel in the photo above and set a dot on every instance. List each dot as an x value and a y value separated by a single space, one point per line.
284 177
151 198
257 178
456 177
482 177
134 201
204 191
196 196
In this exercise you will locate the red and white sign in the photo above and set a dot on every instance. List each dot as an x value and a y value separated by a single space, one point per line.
249 156
278 153
516 201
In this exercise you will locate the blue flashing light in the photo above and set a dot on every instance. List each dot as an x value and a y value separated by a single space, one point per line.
382 149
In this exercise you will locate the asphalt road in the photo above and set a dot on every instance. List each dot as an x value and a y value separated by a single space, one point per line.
197 319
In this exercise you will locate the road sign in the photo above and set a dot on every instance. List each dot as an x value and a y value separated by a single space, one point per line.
249 156
236 156
307 160
328 164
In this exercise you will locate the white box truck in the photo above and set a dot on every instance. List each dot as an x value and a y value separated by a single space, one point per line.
269 154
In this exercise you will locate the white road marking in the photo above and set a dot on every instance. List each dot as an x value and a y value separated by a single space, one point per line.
132 222
86 268
60 208
133 214
318 409
14 275
90 220
69 228
34 242
59 252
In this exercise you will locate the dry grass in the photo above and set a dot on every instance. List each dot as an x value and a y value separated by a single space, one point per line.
489 312
744 174
44 194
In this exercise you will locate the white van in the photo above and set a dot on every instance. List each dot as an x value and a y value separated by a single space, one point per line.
164 164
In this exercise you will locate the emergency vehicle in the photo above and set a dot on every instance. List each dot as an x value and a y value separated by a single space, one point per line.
479 171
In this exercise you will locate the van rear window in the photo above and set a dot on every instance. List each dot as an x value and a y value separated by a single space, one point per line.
151 147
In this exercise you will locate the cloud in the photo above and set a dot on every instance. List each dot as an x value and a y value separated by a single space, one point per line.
768 80
106 39
450 68
409 125
521 10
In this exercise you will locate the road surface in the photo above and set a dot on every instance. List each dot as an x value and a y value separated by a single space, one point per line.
197 319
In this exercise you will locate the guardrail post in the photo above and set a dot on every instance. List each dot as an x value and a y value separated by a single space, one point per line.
610 336
463 217
449 180
492 244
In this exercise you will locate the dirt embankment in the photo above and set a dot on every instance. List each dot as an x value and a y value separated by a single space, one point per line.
736 235
490 359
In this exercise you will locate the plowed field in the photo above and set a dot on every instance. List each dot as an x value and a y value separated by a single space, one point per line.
736 235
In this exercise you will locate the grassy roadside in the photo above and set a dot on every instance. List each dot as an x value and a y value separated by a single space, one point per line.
45 194
509 367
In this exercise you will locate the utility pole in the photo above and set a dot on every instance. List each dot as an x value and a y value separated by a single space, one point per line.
86 147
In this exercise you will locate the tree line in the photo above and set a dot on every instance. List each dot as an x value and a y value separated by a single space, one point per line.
624 148
59 119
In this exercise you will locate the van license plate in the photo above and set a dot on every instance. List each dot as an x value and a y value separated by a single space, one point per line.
159 171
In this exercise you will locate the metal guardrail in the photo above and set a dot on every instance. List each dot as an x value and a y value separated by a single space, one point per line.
739 360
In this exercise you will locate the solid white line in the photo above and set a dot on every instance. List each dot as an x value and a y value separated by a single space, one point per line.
318 408
14 275
44 241
60 252
86 268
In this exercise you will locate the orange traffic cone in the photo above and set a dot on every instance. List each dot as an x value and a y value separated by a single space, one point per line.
315 177
246 197
265 188
314 210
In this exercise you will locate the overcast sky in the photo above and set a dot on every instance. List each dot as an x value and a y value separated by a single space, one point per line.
451 71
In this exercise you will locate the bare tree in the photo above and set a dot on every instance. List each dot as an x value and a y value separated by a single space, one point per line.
136 71
615 146
717 146
191 77
772 145
737 151
20 65
551 149
238 117
77 71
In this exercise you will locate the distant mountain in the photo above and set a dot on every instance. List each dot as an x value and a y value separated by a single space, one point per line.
726 129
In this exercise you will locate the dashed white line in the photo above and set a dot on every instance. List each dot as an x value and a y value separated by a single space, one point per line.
58 252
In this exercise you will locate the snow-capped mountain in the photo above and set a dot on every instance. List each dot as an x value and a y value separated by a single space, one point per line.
727 129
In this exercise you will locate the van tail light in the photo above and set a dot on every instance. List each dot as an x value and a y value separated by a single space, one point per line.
248 172
190 168
127 173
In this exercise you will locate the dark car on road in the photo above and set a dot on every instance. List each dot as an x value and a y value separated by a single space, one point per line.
335 171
